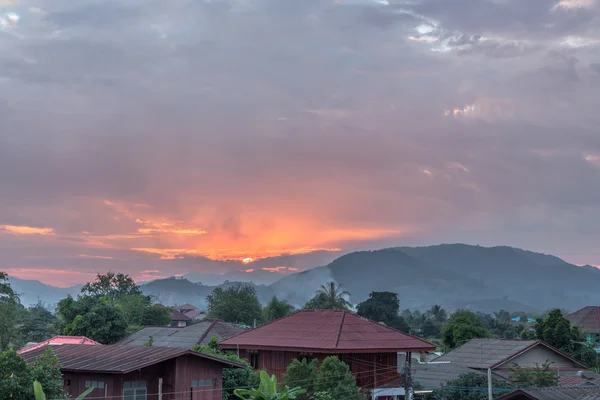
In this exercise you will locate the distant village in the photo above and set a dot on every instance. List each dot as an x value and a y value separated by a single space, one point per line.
114 342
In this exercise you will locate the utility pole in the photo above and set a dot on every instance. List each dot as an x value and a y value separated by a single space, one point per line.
160 384
490 391
408 385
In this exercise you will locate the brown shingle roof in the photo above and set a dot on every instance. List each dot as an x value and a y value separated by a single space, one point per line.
179 316
588 317
327 332
554 393
114 359
491 353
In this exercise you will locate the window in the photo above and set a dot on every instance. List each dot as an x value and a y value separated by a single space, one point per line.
134 390
94 384
254 360
202 382
181 324
67 382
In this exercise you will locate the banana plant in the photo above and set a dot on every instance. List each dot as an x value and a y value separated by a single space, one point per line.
267 390
40 395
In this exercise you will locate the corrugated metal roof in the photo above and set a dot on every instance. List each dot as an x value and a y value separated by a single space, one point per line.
113 359
185 337
327 331
588 317
554 393
432 375
56 340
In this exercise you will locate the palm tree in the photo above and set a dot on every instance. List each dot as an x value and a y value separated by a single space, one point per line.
334 296
438 313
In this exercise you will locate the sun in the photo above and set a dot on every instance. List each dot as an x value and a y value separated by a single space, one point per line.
247 260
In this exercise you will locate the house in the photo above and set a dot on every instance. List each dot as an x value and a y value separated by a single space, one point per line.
589 319
185 308
370 349
195 315
140 373
186 337
553 393
499 355
179 319
59 340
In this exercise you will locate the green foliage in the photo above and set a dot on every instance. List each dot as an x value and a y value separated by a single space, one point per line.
383 307
557 331
9 303
276 309
233 378
40 395
539 376
111 285
46 371
335 378
237 304
470 386
94 317
267 390
303 374
155 315
462 326
36 324
16 381
329 297
149 342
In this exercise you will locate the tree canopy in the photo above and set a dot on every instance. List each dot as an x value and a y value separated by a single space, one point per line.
111 285
237 303
9 302
276 309
329 297
471 386
383 307
462 326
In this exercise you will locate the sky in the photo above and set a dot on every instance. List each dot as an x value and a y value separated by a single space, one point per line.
159 138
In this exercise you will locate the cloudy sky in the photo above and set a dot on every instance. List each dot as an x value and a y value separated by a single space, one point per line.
151 137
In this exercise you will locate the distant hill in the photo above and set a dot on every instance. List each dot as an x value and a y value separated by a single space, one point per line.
32 291
453 275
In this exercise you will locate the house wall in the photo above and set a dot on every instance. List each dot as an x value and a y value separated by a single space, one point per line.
177 375
538 354
369 369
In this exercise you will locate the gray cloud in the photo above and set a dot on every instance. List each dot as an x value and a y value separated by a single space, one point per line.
252 119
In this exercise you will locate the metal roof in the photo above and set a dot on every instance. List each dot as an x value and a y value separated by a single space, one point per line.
113 358
588 317
554 393
491 353
185 337
327 331
59 340
433 375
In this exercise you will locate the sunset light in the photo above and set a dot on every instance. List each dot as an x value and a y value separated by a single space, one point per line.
247 260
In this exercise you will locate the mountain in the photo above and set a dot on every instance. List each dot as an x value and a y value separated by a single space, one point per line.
32 291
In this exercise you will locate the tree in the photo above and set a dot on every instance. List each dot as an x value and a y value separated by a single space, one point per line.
233 378
470 386
267 390
557 331
36 324
462 326
94 317
111 285
329 297
46 371
8 307
15 377
539 376
335 379
303 374
437 314
381 307
276 309
156 315
237 304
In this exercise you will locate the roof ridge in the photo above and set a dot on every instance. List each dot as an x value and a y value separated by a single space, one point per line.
337 340
203 336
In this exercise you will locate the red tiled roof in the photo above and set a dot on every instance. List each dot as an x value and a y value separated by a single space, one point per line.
115 359
588 317
327 331
60 340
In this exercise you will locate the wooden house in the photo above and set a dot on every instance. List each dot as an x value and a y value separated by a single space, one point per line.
138 373
370 349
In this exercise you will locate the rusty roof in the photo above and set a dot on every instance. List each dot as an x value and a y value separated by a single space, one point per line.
115 359
553 393
327 331
588 317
